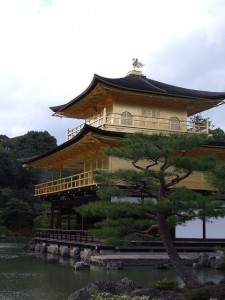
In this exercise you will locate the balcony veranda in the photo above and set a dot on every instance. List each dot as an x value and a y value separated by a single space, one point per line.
196 181
115 122
65 184
134 123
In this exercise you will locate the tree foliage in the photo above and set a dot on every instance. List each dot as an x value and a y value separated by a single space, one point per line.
216 134
17 208
17 214
159 165
217 177
155 183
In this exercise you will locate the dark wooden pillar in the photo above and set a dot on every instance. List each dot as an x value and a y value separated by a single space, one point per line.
68 222
60 215
172 233
52 215
203 229
82 223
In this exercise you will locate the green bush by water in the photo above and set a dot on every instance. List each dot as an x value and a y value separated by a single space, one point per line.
166 284
108 296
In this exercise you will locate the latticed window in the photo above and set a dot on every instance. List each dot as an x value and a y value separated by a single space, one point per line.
151 113
174 123
126 118
150 117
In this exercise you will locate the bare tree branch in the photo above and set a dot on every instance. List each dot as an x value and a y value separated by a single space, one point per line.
153 230
136 166
151 165
149 215
176 180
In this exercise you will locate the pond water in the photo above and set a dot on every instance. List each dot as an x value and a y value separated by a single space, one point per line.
26 276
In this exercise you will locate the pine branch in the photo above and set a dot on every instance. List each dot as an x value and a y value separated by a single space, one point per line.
165 165
136 166
151 165
147 167
153 230
142 189
149 215
182 152
185 217
176 180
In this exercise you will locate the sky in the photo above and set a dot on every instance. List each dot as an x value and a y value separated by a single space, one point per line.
50 50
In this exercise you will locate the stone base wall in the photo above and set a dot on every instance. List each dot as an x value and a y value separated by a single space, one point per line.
64 251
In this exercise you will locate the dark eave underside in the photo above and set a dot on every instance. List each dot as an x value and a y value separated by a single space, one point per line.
89 129
85 130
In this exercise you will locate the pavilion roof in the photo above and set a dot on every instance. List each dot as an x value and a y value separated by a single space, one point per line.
142 84
74 147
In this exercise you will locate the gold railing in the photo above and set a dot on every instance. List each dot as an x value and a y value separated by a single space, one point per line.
73 132
111 121
65 184
97 121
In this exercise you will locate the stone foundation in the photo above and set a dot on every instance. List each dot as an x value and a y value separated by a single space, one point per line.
73 252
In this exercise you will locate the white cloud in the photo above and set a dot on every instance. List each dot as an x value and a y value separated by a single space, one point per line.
51 49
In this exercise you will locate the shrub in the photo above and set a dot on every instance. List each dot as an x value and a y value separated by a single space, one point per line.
4 232
205 293
166 284
42 221
108 296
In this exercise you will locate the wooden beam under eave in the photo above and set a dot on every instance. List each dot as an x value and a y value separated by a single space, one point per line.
205 150
84 109
87 147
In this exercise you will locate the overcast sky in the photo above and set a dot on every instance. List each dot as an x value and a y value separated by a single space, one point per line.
50 50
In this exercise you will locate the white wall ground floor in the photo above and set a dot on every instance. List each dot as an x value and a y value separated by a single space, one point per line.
208 229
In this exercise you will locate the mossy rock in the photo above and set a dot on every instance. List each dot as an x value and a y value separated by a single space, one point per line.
207 292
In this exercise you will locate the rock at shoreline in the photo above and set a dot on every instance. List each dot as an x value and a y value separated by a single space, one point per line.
222 281
124 286
219 263
30 246
206 261
81 265
118 265
153 293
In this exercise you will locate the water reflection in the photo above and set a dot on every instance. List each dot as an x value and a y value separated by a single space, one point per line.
25 276
208 274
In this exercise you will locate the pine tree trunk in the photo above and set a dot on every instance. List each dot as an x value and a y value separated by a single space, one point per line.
188 278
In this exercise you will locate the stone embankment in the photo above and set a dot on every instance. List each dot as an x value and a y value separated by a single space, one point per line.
77 253
108 258
112 260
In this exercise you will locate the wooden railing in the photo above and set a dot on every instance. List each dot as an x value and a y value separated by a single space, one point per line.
63 235
64 184
98 121
112 121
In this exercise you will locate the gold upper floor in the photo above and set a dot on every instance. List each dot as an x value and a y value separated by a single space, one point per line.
126 105
62 183
150 120
136 103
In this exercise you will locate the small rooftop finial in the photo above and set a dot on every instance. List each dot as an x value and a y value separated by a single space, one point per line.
137 64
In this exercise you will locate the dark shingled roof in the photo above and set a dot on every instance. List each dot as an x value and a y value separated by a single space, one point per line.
142 84
85 130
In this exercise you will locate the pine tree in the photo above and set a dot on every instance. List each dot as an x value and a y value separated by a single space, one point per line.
159 164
